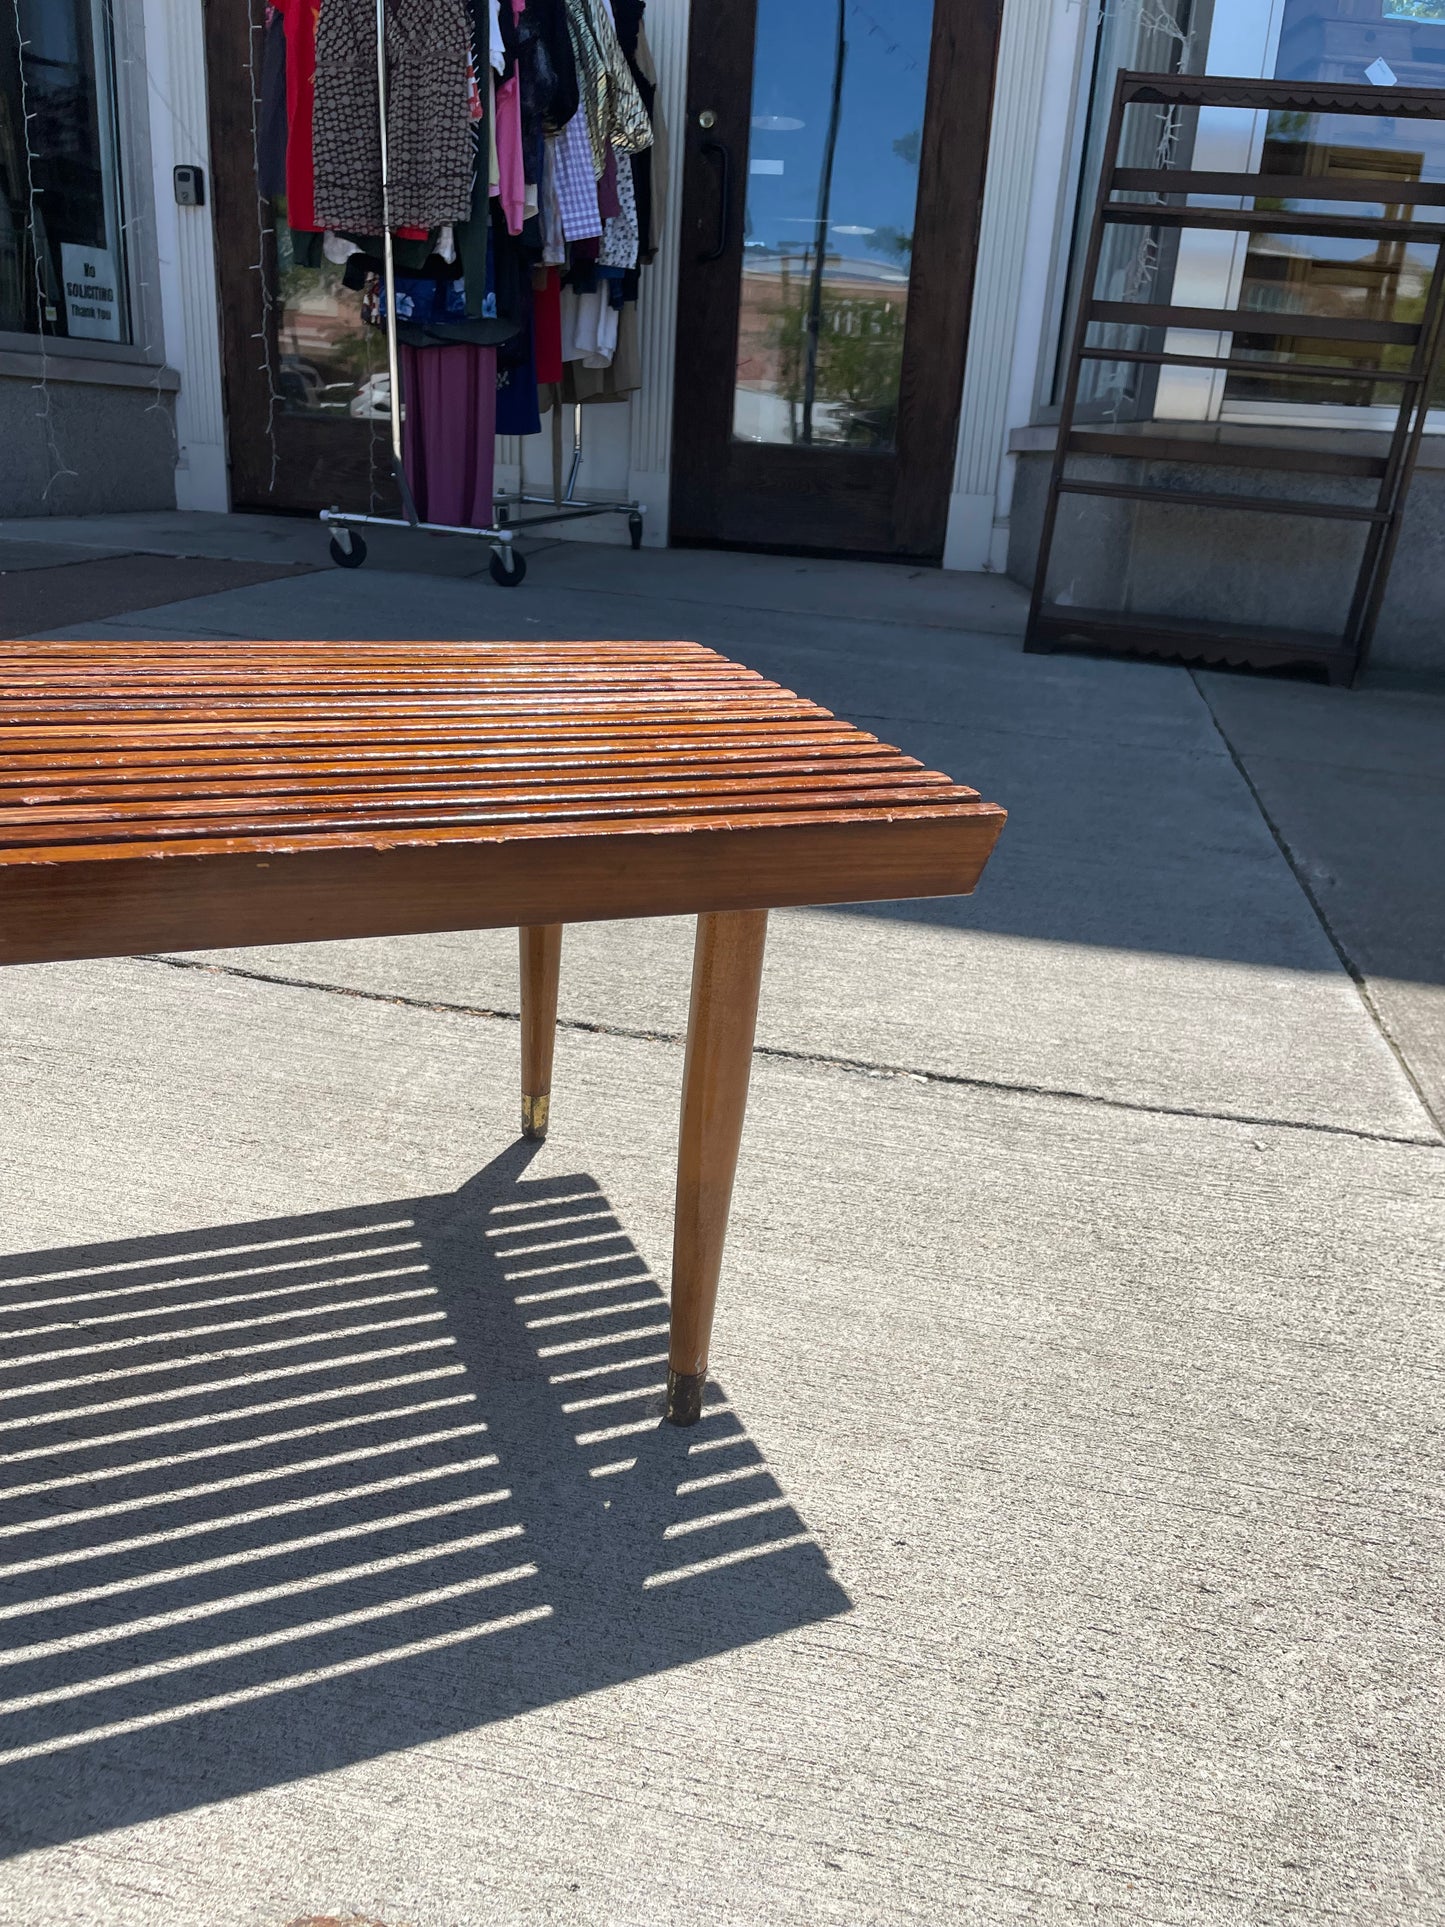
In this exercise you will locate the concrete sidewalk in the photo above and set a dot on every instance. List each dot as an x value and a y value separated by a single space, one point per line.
1064 1542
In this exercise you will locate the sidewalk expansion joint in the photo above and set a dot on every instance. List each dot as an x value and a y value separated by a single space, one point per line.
820 1060
1347 963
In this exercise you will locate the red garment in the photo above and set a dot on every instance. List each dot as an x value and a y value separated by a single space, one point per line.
300 17
547 327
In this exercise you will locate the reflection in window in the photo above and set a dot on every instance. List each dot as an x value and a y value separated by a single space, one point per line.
1376 42
329 361
1156 39
837 125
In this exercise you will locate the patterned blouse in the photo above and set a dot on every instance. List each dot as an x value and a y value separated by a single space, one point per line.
430 132
611 103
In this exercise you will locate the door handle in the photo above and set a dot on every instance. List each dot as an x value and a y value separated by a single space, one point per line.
725 199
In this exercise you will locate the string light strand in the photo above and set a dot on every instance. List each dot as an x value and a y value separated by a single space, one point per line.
265 230
59 468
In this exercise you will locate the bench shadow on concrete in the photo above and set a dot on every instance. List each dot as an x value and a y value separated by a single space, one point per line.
287 1495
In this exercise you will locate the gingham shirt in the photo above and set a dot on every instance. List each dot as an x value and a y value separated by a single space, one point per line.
571 152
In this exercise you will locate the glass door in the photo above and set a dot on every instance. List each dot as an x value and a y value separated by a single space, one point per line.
833 166
307 392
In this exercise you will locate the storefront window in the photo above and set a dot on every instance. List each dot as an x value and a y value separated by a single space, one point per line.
833 166
331 362
1385 43
62 270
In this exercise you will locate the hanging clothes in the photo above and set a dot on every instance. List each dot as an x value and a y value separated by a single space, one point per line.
271 119
554 241
517 409
511 167
429 122
611 106
649 168
549 67
589 327
658 155
619 232
576 183
299 18
526 187
547 326
448 431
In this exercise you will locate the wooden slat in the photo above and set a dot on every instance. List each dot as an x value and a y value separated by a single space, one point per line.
157 795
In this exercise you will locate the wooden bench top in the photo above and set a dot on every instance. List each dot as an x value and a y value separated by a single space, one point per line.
197 795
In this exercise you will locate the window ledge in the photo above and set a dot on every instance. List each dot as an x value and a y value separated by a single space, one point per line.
1042 438
24 365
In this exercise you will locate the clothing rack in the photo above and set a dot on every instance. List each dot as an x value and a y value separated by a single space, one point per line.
508 566
564 506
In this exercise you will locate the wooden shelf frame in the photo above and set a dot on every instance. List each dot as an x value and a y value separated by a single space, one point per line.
1340 658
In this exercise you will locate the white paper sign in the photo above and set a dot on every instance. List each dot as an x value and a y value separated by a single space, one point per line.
92 298
1380 73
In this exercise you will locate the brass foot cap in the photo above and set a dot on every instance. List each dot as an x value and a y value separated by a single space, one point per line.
534 1118
684 1397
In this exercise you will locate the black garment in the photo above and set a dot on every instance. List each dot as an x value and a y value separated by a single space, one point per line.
627 14
548 65
307 247
408 257
511 271
271 118
627 17
471 234
507 29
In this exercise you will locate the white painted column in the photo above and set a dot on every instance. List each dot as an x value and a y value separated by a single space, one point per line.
175 69
1028 145
650 448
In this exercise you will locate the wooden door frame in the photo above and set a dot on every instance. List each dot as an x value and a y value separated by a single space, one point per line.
318 463
728 493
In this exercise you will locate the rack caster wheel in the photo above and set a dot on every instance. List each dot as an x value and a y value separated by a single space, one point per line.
507 567
348 551
634 529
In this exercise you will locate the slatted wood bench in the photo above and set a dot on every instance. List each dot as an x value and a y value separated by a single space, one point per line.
193 796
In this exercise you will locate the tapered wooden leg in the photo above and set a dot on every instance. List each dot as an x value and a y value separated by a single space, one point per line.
727 968
541 961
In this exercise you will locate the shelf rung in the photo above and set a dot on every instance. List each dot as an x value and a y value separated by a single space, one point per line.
1241 365
1185 448
1305 96
1254 321
1201 499
1244 221
1056 617
1374 189
1130 634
